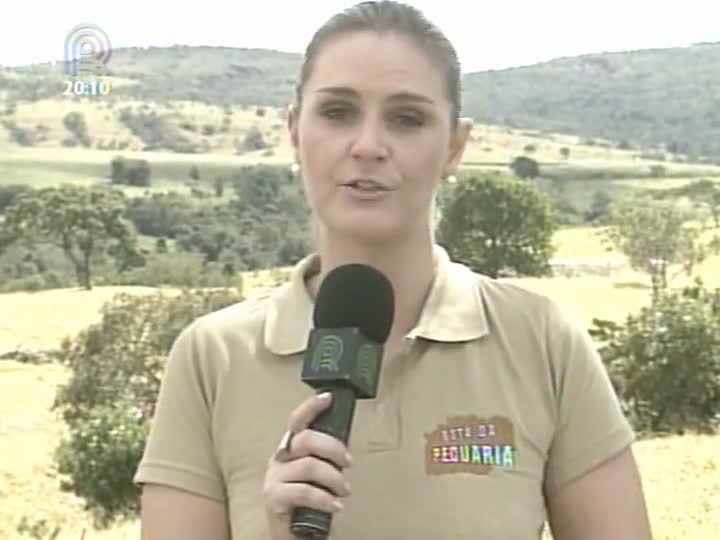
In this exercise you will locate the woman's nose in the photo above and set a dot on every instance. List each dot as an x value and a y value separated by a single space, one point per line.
369 142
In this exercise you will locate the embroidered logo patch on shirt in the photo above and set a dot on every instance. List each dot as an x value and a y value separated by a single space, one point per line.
470 444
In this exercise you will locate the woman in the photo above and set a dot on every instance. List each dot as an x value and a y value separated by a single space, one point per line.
493 412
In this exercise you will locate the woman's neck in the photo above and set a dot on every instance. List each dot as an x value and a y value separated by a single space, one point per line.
409 265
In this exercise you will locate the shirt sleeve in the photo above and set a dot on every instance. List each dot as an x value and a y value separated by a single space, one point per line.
591 427
179 450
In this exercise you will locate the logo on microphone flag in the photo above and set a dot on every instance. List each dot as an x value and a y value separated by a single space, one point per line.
470 444
328 354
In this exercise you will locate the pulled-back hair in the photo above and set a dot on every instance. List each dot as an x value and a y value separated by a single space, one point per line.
388 16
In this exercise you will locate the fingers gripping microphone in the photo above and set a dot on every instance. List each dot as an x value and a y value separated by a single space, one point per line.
353 314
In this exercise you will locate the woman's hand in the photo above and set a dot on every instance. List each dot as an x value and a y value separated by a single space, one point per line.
297 463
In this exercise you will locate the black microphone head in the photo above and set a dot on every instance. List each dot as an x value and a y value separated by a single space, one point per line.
356 295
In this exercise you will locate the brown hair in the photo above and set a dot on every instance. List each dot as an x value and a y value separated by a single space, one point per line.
389 16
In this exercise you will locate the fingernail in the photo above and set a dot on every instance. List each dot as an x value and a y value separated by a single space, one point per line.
324 395
347 486
348 458
337 505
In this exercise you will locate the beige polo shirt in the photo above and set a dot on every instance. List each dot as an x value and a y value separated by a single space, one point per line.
496 394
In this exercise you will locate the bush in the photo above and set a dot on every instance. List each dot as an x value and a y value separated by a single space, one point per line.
74 122
665 362
599 207
21 136
525 167
657 171
100 456
116 366
254 140
133 172
33 283
157 132
161 245
42 266
8 193
175 270
654 156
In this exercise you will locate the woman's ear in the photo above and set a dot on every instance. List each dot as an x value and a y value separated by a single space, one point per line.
457 145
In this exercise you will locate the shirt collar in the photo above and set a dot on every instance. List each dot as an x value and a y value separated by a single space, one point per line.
453 311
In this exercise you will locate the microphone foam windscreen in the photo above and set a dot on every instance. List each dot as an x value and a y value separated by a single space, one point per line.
356 295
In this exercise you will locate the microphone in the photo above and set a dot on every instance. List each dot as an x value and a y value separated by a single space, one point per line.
353 314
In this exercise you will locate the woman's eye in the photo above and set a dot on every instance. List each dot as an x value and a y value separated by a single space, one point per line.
409 120
335 113
404 120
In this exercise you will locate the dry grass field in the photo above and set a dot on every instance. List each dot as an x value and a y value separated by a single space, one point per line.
681 475
49 163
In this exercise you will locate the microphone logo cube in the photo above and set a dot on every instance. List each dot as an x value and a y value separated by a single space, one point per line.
342 356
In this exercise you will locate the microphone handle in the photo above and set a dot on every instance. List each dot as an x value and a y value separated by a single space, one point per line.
336 421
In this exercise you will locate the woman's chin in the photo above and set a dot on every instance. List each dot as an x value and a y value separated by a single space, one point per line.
365 230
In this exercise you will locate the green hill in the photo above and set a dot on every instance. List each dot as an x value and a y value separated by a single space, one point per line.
663 98
654 97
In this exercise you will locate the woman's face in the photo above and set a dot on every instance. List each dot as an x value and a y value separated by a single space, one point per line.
373 138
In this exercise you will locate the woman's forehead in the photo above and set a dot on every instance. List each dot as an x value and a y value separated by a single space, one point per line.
368 62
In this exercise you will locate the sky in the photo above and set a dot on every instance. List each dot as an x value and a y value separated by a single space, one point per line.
488 34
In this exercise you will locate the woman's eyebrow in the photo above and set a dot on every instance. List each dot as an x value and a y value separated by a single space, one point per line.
398 96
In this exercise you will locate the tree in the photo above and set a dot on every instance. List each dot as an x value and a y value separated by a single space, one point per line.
657 171
653 235
254 140
525 167
117 170
496 222
530 149
83 222
133 172
137 172
219 186
565 152
74 122
702 193
194 173
9 192
664 363
115 369
599 208
161 214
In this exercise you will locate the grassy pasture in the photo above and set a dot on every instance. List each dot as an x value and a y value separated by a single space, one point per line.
679 473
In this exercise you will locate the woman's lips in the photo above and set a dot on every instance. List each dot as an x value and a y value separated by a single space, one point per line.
365 184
